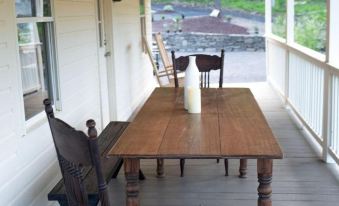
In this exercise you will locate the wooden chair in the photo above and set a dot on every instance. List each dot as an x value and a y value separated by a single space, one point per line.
75 151
78 155
155 69
205 64
168 66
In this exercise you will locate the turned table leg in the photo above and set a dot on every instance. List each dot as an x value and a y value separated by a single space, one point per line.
132 167
265 169
243 168
160 167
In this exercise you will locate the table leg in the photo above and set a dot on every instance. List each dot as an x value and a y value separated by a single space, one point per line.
132 167
243 168
265 169
160 167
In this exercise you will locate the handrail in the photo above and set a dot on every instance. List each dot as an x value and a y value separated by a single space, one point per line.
315 77
313 56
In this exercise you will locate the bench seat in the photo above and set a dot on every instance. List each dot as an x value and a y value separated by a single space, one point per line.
110 166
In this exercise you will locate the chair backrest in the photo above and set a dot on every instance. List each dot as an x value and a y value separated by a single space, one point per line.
205 64
76 151
163 53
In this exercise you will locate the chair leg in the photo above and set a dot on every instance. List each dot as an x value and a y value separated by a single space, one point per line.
141 175
218 160
226 166
116 172
243 168
182 167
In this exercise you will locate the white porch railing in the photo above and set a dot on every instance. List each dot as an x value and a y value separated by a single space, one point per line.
306 86
310 87
334 127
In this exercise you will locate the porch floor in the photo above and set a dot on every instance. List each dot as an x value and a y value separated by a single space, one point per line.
300 179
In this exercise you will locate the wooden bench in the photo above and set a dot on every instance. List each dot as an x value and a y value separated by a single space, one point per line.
110 166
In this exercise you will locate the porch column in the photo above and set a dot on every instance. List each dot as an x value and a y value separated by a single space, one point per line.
332 50
290 21
332 32
268 17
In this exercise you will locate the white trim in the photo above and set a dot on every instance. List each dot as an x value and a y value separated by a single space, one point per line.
334 156
21 20
326 121
311 55
57 97
332 32
290 21
268 17
22 121
111 76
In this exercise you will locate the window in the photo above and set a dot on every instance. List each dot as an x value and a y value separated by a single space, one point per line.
37 54
310 24
279 18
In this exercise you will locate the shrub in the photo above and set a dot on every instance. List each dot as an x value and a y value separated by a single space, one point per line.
168 8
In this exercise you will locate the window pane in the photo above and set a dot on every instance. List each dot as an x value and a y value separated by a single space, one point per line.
24 8
279 18
35 67
310 24
142 7
47 10
33 8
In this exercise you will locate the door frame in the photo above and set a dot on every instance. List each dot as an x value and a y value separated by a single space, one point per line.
107 38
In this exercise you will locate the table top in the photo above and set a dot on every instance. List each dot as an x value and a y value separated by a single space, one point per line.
231 125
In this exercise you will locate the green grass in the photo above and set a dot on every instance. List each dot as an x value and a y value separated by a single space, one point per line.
258 6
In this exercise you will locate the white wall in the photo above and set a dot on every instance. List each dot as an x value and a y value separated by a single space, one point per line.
28 166
133 72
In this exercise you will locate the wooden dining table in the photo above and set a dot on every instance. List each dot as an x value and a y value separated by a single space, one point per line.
231 125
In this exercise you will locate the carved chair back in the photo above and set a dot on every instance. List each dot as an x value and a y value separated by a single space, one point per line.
76 152
205 64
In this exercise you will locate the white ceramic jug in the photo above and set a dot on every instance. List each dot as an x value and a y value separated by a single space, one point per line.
191 78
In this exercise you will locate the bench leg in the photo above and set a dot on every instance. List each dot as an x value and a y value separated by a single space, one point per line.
132 168
63 202
182 167
226 166
160 167
121 161
141 175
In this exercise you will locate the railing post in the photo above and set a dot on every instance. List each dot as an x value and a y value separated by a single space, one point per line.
332 40
332 48
289 40
268 32
268 17
290 21
327 120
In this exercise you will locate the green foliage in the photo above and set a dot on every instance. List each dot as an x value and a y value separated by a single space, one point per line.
310 31
168 8
257 6
279 25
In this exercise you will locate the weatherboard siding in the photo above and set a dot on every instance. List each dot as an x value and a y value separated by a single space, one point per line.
132 68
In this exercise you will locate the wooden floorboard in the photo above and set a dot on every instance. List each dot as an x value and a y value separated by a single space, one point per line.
300 179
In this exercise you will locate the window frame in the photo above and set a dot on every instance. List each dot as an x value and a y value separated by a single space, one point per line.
143 26
51 49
